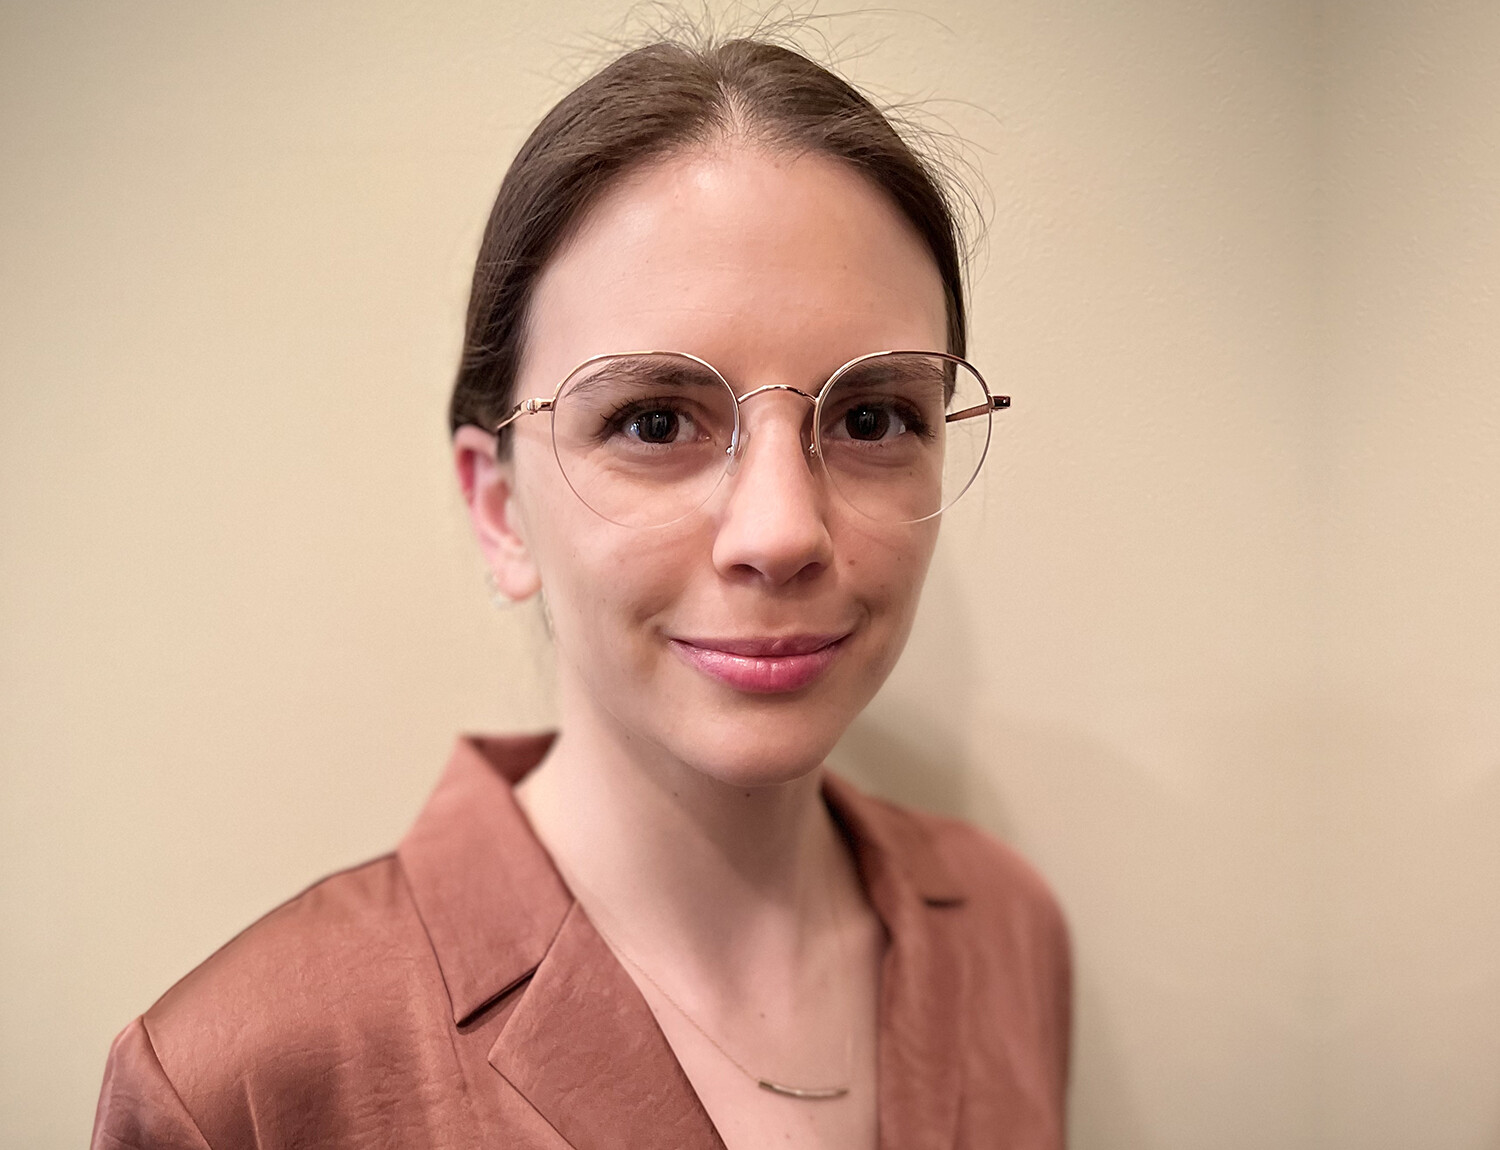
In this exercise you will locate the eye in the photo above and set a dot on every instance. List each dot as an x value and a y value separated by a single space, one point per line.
658 426
868 421
654 423
876 421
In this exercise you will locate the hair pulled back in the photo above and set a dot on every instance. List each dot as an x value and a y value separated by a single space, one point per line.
651 102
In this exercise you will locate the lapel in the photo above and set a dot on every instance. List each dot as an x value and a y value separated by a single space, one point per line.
581 1044
585 1050
486 891
923 979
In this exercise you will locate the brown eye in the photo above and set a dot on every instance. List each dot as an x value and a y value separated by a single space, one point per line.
867 422
659 426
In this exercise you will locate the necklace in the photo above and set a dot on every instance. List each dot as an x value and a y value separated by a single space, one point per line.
806 1093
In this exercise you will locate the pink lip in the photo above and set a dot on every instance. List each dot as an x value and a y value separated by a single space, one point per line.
762 666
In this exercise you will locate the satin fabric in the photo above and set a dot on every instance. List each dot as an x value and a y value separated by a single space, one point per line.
453 994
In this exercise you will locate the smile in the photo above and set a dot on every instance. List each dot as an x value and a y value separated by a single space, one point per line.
762 666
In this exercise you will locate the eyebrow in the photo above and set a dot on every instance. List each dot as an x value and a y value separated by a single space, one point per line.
661 371
877 371
882 373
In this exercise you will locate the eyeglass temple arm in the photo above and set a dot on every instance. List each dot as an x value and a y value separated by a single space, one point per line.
996 403
526 407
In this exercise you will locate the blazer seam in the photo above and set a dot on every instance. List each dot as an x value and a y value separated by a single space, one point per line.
172 1086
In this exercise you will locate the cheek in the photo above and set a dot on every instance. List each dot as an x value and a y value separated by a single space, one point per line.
889 569
604 585
619 587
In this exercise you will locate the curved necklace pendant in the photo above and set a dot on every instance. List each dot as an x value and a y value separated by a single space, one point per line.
810 1093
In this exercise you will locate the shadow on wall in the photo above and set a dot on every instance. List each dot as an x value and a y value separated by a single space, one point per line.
912 760
909 760
912 745
1176 859
909 745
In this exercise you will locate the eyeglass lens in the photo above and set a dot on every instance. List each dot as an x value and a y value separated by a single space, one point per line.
644 439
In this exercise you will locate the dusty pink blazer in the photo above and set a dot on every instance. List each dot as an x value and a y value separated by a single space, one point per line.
453 994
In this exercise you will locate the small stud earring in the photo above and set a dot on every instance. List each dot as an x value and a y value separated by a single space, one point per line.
497 597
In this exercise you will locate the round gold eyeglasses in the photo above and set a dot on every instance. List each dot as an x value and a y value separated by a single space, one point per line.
645 438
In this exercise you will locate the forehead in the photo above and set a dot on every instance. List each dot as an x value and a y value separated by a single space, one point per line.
764 263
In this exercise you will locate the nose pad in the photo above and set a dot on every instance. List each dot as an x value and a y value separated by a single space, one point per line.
736 452
736 448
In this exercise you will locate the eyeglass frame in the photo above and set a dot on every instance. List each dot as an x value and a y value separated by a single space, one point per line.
539 404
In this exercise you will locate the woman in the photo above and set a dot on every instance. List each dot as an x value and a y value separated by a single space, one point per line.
710 409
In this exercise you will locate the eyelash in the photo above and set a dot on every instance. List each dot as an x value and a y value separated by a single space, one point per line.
614 423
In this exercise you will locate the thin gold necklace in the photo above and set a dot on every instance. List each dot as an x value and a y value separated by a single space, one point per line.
806 1093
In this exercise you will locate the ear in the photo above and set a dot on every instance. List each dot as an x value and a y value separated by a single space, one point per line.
488 486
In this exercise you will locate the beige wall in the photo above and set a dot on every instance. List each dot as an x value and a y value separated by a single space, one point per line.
1216 643
1411 473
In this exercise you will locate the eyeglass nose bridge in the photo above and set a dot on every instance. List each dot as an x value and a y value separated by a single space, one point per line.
737 445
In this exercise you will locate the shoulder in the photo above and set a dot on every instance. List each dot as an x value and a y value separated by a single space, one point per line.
990 873
1006 916
320 1001
350 932
953 861
1012 929
1013 916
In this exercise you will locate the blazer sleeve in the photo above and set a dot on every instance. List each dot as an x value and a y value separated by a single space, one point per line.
139 1108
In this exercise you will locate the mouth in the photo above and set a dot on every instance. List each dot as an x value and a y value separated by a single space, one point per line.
762 666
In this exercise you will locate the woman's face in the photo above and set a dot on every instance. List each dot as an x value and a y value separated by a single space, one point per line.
743 639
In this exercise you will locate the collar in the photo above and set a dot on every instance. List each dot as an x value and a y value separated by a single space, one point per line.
485 888
897 852
497 913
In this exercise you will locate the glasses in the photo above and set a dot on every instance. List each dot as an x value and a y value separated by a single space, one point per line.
645 438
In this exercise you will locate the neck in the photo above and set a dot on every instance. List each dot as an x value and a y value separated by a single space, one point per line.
667 858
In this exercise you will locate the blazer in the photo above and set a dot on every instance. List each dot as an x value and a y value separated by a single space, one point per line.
453 994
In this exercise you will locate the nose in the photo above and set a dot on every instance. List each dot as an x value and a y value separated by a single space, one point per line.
773 526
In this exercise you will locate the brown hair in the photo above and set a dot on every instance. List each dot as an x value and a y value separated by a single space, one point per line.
648 103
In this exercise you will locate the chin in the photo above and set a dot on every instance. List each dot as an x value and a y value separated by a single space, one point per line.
758 750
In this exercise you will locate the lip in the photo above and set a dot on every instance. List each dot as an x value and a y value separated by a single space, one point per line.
762 666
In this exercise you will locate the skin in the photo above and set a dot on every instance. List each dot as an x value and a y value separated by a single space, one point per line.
683 812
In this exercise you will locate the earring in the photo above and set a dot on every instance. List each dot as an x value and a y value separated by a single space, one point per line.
497 597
